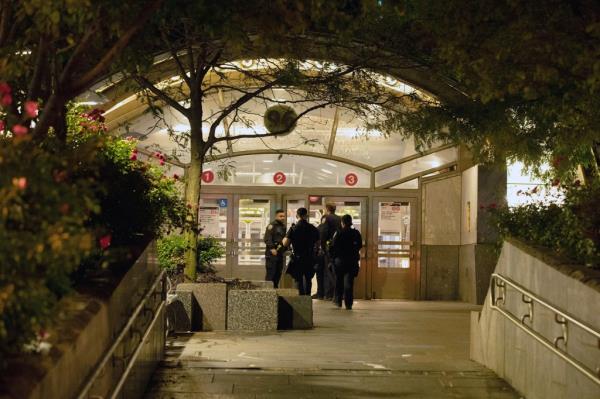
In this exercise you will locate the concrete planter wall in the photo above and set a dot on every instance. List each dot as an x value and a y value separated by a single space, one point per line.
526 364
216 306
85 329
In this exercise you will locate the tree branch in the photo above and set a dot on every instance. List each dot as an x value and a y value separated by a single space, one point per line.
93 74
145 83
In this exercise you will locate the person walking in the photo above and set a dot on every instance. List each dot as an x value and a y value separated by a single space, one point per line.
345 251
331 225
304 239
273 238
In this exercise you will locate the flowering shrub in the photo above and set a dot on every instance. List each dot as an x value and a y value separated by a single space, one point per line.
66 207
44 211
570 228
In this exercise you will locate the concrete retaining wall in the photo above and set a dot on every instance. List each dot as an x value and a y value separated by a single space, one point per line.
523 362
87 323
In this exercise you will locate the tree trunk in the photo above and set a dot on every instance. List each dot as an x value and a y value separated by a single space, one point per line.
192 199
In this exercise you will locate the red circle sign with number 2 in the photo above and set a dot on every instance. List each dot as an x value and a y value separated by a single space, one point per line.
351 179
208 176
279 178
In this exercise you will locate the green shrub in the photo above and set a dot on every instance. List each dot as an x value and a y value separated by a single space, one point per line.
571 229
209 250
171 253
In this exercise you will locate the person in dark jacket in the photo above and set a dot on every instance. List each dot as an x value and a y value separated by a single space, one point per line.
346 257
330 224
273 238
304 239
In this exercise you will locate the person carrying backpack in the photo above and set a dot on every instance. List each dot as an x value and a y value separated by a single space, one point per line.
346 258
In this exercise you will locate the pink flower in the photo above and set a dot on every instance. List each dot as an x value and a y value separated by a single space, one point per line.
5 100
133 156
105 241
19 130
2 126
175 176
161 162
31 109
20 182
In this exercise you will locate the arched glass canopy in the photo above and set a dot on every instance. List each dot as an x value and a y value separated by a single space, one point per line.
328 147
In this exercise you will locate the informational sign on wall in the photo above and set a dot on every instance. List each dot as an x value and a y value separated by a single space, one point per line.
279 178
390 217
209 221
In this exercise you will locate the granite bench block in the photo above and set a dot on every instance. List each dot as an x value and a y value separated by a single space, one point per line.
295 312
260 284
185 309
212 301
252 310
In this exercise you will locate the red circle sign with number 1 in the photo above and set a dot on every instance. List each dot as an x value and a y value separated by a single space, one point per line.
351 179
279 178
208 176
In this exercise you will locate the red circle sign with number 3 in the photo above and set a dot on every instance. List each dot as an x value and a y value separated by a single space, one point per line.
279 178
351 179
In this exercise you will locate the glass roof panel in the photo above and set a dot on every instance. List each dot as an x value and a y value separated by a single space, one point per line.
407 185
297 171
416 166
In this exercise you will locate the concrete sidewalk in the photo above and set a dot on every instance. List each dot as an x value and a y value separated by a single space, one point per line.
380 349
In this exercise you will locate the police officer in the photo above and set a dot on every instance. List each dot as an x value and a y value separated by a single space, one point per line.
304 239
274 253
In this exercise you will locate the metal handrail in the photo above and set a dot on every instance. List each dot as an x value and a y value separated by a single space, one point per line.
108 355
561 317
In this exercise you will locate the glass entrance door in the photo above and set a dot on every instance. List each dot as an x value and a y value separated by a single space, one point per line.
215 216
252 215
357 208
394 232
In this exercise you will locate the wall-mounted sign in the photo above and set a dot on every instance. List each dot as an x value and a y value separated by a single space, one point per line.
351 179
279 178
222 202
208 176
209 221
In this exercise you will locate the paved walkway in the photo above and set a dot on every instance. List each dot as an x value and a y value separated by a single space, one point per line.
380 349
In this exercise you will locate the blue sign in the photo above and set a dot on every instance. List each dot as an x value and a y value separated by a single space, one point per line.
222 202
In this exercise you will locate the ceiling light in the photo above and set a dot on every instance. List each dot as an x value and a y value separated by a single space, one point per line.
327 171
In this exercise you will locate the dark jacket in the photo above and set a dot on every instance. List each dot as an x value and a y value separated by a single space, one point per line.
273 236
304 238
333 224
346 250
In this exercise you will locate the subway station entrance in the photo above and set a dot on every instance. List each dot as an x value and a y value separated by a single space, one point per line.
388 223
330 157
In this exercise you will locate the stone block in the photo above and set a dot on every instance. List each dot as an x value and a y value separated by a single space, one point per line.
185 309
287 291
261 284
212 301
295 312
252 310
